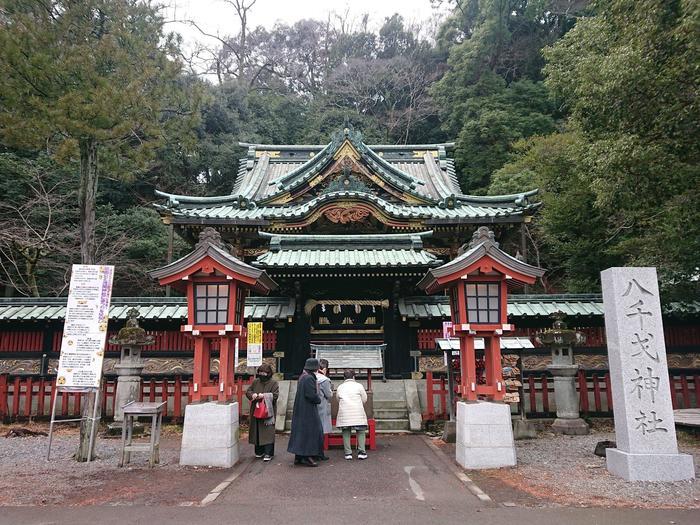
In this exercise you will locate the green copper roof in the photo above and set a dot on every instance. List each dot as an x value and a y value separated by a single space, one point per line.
150 308
375 251
275 183
346 258
419 307
220 213
541 305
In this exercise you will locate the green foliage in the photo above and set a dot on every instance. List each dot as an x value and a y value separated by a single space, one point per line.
135 241
629 76
494 122
622 186
569 232
491 95
96 68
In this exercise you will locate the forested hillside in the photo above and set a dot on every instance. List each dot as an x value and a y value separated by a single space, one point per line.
595 103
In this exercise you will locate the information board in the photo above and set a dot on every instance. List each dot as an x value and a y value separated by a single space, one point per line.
255 335
85 327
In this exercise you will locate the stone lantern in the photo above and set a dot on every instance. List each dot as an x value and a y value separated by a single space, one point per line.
132 338
477 282
216 285
561 340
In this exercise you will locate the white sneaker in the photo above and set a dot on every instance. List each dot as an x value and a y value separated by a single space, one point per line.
362 455
267 458
348 456
258 456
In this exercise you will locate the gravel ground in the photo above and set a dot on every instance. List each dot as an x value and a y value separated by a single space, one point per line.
28 479
556 470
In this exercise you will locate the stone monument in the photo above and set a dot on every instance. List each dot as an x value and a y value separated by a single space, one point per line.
645 430
561 341
132 338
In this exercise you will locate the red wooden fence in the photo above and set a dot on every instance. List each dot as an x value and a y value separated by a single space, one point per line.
28 396
165 340
675 336
595 394
21 341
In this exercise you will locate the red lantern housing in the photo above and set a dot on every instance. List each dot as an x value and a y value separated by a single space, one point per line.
477 283
216 284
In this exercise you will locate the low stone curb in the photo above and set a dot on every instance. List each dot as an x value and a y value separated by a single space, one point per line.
461 476
216 491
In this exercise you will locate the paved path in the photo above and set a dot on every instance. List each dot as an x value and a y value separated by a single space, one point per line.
403 472
404 481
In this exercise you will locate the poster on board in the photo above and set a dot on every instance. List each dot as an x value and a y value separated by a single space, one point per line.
254 349
85 327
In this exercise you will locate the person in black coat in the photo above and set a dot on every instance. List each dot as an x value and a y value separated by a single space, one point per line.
306 438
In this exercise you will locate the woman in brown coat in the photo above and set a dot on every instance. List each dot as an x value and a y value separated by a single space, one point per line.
263 389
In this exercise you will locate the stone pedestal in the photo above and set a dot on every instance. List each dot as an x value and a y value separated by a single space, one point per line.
645 467
523 429
567 400
484 435
645 431
210 435
128 390
449 433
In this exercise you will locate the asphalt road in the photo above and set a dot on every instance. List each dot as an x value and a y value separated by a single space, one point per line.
405 481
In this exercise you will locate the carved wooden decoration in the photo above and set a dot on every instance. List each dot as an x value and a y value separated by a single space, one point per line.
345 215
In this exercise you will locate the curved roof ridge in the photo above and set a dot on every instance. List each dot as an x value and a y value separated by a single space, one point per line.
176 199
305 166
255 178
437 175
393 170
351 237
319 147
497 198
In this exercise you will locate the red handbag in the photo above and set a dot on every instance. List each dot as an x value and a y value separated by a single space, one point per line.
260 411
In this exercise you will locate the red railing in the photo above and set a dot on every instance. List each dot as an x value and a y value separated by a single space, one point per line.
595 394
436 389
21 341
29 396
165 340
675 336
426 338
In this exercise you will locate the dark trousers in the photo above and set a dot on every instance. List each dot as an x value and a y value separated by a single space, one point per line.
268 449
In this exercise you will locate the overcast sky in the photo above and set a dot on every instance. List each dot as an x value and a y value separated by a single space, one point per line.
214 16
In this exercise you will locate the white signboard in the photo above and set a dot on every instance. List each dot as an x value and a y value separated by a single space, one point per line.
255 334
85 327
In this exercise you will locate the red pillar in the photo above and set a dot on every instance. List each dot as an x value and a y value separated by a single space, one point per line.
226 357
467 359
200 373
494 369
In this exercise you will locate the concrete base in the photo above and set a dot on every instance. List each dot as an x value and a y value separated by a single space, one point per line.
484 435
650 467
210 435
115 428
449 433
570 427
415 414
524 429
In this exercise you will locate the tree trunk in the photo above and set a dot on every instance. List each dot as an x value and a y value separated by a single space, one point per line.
88 255
86 197
86 424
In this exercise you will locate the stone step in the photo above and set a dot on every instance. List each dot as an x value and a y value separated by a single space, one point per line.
390 413
389 425
389 404
382 425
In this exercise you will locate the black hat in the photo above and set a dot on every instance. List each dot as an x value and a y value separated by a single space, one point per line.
311 364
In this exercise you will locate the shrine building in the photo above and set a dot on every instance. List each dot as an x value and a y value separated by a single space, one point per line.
347 230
